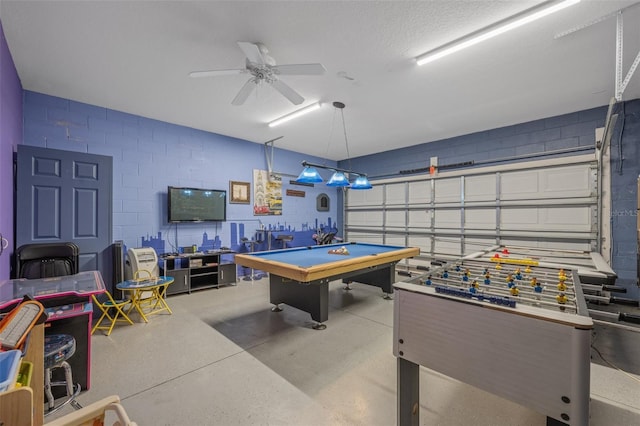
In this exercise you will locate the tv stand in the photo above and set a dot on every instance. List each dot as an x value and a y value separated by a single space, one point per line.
197 271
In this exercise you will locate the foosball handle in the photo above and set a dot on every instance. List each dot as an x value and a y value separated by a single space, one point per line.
630 318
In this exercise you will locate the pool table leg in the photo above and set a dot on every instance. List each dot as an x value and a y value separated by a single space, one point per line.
312 297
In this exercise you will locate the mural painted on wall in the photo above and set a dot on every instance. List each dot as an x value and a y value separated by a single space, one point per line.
238 233
267 194
244 237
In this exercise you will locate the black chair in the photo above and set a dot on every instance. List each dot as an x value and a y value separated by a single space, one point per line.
46 260
49 260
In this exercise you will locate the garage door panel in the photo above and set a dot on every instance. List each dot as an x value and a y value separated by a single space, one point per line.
447 190
480 219
480 188
419 219
395 194
420 192
556 182
570 219
365 218
447 218
371 197
396 218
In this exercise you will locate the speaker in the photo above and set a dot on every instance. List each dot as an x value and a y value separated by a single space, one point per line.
118 268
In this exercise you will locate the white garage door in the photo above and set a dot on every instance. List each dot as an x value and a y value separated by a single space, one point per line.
549 204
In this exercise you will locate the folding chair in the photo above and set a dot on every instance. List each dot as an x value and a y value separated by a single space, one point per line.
105 307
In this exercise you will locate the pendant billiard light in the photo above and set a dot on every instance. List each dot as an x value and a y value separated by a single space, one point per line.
340 178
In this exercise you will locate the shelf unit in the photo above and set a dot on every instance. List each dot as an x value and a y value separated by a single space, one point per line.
198 271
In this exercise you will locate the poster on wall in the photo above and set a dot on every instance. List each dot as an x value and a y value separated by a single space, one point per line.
267 194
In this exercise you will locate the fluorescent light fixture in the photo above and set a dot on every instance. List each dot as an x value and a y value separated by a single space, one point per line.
493 30
295 114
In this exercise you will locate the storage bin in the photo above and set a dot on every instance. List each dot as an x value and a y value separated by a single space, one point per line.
9 363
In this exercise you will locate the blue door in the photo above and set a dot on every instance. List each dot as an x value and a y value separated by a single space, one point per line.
65 196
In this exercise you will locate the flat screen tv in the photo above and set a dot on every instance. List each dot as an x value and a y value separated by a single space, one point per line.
196 204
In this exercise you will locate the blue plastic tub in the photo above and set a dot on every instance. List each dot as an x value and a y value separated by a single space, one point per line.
9 364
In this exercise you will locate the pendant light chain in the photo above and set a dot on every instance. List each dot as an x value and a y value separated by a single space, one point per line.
333 125
346 141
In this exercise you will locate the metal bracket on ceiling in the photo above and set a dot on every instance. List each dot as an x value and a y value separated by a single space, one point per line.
268 154
620 84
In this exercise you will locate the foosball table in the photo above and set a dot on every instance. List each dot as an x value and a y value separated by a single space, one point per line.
511 327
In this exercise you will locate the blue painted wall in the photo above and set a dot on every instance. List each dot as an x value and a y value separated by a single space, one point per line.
10 137
566 134
150 155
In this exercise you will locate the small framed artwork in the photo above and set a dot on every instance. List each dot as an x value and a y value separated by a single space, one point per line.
239 192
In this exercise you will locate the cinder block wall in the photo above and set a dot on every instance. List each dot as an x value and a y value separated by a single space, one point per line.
150 155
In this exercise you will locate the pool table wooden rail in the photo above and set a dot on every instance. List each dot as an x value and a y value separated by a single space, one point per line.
336 267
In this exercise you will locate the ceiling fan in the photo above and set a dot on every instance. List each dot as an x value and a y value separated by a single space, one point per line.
263 69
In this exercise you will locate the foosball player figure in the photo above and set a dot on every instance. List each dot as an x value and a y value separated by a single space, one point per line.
562 276
562 286
487 278
538 288
457 268
527 269
445 274
498 266
534 282
466 275
518 274
428 281
562 298
514 290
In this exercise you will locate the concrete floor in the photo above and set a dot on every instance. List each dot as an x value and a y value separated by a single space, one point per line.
223 358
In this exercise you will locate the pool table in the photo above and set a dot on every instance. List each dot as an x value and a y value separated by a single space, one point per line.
300 276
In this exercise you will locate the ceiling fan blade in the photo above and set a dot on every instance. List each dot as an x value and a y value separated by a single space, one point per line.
252 52
287 92
244 93
215 73
299 69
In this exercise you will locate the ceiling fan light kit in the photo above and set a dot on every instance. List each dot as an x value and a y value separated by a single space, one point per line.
263 69
495 29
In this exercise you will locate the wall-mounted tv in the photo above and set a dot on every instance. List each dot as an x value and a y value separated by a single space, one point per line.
196 204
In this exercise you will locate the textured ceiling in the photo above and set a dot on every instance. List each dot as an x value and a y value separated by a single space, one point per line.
135 56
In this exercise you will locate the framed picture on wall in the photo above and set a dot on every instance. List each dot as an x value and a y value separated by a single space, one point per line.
239 192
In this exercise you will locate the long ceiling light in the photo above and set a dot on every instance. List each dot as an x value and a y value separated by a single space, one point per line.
296 114
493 30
